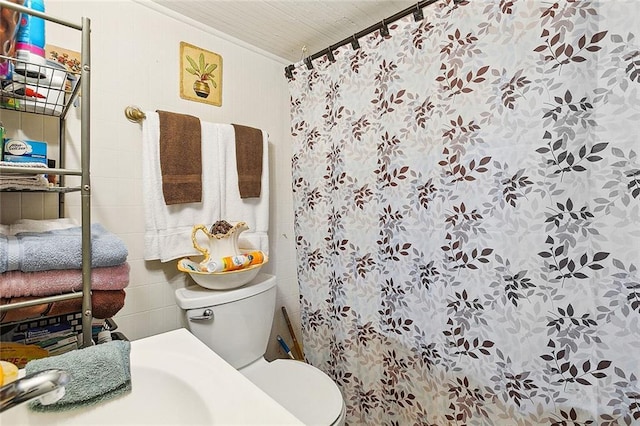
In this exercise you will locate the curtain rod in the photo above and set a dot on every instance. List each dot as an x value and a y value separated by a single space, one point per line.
353 40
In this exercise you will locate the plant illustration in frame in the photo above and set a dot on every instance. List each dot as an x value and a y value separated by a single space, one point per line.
200 75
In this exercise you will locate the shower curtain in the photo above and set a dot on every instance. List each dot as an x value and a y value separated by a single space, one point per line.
467 210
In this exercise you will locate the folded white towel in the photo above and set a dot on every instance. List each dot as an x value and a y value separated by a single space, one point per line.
34 164
21 182
168 227
34 183
253 211
41 225
37 225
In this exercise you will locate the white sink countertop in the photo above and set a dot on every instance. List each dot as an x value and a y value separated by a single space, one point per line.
176 380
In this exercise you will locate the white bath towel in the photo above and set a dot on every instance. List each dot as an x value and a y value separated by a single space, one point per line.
41 225
168 227
33 183
253 211
23 182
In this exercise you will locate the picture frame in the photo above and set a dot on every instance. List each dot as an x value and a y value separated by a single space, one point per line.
200 75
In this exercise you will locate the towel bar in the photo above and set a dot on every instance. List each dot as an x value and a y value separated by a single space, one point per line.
134 114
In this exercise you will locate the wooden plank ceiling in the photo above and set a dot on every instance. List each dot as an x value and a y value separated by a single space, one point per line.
284 27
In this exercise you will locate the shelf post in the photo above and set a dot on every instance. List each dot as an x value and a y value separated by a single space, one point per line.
87 314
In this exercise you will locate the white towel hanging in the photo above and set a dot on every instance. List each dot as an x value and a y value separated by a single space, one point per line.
168 228
253 211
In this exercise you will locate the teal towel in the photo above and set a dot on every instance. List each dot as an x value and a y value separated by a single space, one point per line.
98 373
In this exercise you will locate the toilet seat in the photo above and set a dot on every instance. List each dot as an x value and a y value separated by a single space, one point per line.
302 389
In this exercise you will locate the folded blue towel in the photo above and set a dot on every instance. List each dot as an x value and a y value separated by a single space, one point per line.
59 249
98 373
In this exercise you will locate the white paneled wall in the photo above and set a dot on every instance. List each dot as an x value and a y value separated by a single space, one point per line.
135 61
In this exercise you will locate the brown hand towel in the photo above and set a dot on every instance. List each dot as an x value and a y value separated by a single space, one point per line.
180 158
104 304
248 160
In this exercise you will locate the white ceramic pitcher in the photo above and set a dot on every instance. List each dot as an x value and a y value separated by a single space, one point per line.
220 245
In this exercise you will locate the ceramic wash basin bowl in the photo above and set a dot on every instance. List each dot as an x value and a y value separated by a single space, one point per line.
176 380
222 280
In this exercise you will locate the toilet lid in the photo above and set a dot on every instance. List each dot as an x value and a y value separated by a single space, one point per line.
305 391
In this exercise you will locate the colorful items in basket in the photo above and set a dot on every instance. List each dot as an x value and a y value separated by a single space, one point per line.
224 265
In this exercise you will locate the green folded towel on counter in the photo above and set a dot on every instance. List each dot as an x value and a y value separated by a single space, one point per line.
98 373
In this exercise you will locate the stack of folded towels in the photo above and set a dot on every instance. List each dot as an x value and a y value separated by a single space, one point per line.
44 258
24 181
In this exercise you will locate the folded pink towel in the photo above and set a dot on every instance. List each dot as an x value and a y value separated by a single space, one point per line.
51 282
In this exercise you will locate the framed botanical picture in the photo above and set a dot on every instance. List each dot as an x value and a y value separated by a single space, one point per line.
200 75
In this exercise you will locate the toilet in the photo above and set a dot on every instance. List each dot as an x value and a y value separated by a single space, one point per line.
236 324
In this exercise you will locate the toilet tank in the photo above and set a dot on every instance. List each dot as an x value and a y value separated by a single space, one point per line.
241 320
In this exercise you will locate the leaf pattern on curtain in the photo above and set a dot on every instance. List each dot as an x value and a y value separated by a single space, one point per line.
467 201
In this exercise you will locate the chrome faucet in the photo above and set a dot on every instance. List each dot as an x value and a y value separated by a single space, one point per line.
47 385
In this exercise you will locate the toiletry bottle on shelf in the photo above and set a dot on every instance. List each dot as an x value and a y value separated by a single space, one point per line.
30 42
104 336
9 22
1 141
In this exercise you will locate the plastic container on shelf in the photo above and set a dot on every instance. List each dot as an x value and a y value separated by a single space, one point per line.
30 42
9 22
